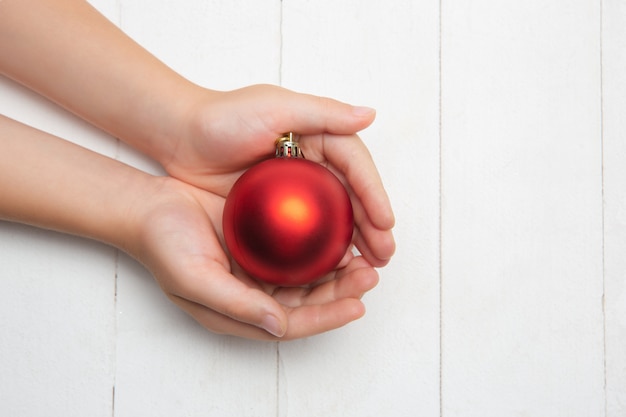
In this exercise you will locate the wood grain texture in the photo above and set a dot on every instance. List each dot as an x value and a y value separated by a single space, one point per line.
522 280
57 345
219 44
614 126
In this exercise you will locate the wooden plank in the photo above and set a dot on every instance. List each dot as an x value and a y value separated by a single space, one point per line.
614 125
166 363
522 323
386 56
220 45
57 316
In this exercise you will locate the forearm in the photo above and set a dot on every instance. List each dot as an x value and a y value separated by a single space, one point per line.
67 51
51 183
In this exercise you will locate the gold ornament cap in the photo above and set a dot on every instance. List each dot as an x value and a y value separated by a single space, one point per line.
287 146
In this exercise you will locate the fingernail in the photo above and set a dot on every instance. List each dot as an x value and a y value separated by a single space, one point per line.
362 111
272 326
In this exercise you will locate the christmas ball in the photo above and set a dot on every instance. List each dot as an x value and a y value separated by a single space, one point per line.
288 221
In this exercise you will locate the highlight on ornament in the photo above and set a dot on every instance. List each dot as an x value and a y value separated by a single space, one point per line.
288 221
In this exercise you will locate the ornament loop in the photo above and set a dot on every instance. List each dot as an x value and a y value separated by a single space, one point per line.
287 146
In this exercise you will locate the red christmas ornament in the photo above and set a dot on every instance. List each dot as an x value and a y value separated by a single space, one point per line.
288 221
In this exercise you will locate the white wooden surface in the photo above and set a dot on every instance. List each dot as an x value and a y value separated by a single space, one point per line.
500 139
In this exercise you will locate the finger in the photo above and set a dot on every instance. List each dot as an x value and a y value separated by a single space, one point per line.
347 257
373 215
349 156
310 320
327 307
353 281
385 241
303 321
376 245
219 323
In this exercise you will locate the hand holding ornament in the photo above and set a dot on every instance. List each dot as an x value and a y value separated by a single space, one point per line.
226 133
231 132
205 140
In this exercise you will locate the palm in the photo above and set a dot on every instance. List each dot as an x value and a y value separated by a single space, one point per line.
184 252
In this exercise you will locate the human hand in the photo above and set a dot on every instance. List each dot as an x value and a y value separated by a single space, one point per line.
203 137
178 240
171 227
227 132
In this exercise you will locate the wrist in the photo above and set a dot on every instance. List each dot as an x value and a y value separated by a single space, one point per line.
118 86
175 116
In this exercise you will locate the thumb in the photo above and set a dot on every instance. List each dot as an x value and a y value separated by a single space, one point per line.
224 304
309 114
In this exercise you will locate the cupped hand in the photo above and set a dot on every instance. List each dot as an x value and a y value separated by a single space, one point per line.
178 240
227 132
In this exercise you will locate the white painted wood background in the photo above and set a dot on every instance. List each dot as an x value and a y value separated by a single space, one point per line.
500 138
